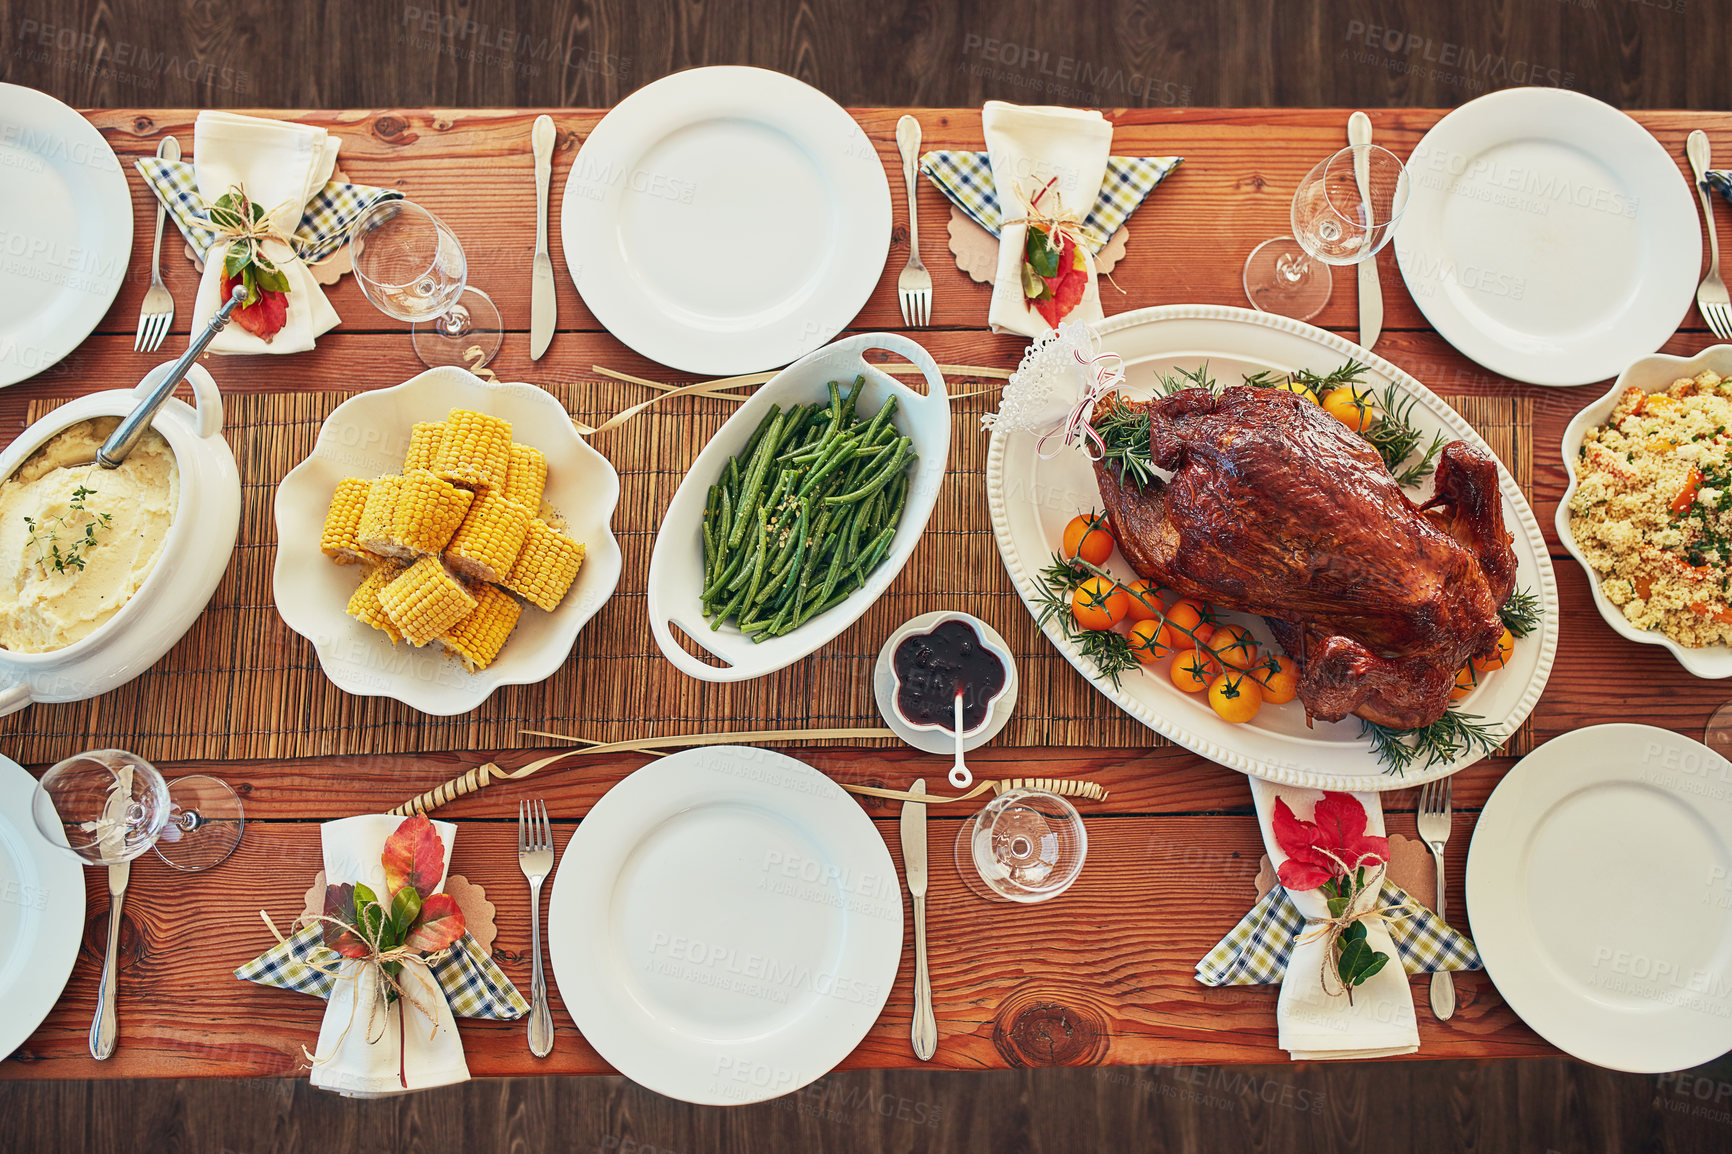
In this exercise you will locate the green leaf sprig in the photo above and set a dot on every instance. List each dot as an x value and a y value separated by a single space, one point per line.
248 227
82 524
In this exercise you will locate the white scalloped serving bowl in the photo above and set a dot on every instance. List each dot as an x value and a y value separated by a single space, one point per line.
1651 374
367 436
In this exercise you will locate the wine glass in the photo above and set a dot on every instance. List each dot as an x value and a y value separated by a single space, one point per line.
409 263
1025 845
108 806
1344 211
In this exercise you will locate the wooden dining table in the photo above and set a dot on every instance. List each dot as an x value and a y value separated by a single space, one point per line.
1103 976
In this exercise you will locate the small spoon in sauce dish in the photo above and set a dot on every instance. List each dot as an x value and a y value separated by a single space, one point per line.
960 775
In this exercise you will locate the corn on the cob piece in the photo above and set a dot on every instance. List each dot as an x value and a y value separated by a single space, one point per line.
374 532
478 638
527 476
424 601
474 450
489 539
339 540
428 512
423 444
364 604
546 567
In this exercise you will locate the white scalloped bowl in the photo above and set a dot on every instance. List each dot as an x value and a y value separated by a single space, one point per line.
367 436
1651 374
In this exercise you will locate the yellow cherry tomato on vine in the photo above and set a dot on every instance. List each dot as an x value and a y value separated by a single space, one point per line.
1235 696
1089 537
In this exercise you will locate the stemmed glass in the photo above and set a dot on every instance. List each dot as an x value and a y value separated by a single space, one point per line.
1025 845
1344 211
409 263
108 806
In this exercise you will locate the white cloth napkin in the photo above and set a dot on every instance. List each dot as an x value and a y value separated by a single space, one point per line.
1029 146
1312 1025
356 1069
281 166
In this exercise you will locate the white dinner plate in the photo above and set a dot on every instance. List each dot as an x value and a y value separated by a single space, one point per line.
65 230
1599 888
41 913
725 925
725 220
1031 499
1548 236
366 437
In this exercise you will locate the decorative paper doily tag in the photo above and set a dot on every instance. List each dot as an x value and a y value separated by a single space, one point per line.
478 912
976 250
327 272
1410 867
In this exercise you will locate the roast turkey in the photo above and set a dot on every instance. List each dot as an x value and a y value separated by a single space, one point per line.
1276 508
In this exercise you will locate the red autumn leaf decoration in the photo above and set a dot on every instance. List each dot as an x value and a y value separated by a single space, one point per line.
340 904
1318 850
1067 287
265 317
414 856
440 924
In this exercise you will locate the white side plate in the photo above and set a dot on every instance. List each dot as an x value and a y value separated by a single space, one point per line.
65 230
367 436
1031 500
725 220
1548 236
725 925
676 576
41 912
1599 886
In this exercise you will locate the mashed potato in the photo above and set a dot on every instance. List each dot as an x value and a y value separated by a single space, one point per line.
65 570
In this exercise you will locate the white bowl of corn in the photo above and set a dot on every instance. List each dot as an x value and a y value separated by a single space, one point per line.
445 537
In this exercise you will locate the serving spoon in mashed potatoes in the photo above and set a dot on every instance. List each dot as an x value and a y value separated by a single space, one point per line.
126 434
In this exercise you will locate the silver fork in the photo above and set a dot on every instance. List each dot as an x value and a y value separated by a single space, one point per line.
914 286
535 856
1433 822
157 313
1711 296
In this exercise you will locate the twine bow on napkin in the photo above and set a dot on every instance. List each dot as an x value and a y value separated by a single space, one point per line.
376 977
1339 960
1053 392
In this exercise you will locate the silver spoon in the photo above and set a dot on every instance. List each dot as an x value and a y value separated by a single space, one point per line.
126 434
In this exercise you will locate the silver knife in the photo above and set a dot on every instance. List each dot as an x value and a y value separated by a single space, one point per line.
1370 291
925 1033
543 307
105 1029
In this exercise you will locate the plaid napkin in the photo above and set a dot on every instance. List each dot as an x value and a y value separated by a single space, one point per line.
966 179
324 227
1255 953
473 984
1720 179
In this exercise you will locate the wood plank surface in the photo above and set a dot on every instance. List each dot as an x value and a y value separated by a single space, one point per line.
1102 977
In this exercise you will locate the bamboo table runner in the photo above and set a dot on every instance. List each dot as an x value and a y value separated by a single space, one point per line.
242 685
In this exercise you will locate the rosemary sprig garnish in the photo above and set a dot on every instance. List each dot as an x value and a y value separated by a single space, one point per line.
45 535
1106 648
1124 432
1395 438
1521 613
1179 380
1437 744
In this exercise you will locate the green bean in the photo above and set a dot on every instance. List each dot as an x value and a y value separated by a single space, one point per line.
754 482
726 574
874 553
880 479
884 413
728 612
758 565
751 448
752 555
